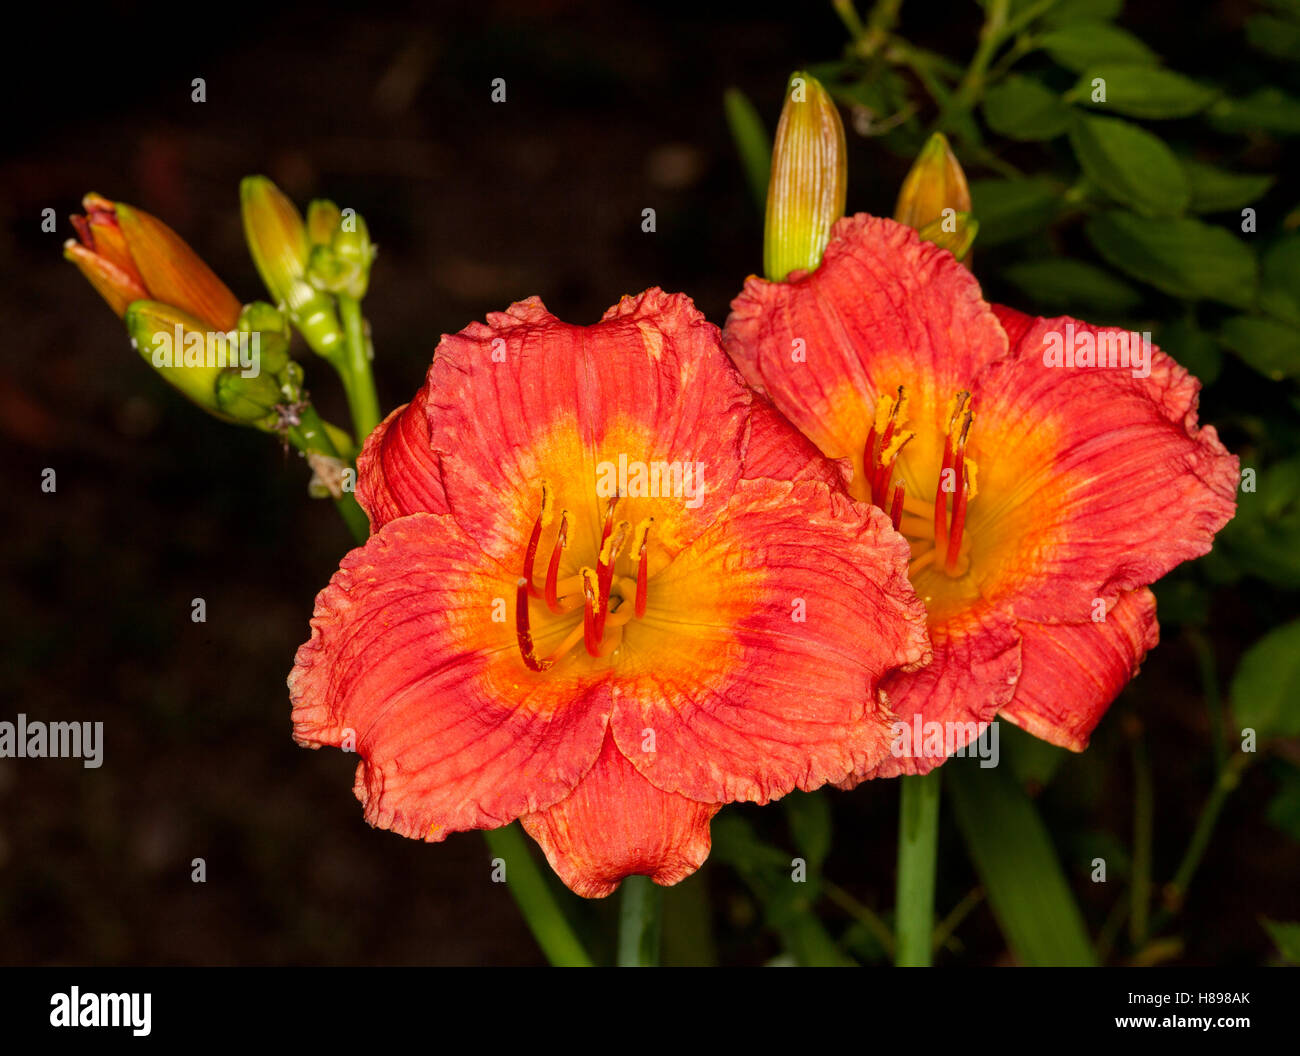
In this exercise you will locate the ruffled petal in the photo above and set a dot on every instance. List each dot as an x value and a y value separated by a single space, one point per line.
1092 482
1015 322
1073 671
977 661
884 309
409 664
776 449
616 824
397 471
791 608
527 397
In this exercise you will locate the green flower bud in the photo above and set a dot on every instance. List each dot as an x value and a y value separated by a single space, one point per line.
272 328
352 246
806 191
182 349
277 239
955 233
252 400
327 272
323 220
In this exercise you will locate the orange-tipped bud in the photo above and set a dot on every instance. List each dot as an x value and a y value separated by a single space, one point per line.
129 255
809 180
935 183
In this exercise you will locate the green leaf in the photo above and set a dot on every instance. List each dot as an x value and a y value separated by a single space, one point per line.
1072 285
1084 44
1017 865
752 143
1216 190
1193 348
1279 293
1286 937
1009 209
1068 11
1266 685
787 907
1025 109
1032 760
1270 347
1283 811
1130 165
1266 110
1182 257
1279 37
1263 540
1143 91
809 817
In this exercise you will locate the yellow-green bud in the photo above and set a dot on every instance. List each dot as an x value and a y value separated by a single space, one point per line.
183 350
807 188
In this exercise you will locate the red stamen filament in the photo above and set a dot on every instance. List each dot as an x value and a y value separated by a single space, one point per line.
958 518
941 499
896 506
524 632
590 590
590 611
605 571
530 555
553 569
643 565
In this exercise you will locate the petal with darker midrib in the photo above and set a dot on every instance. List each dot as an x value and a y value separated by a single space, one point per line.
615 824
1072 671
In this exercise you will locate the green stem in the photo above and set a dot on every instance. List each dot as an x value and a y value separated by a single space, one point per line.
638 923
1209 671
1176 890
358 381
953 920
1143 823
862 913
541 911
918 839
992 34
311 437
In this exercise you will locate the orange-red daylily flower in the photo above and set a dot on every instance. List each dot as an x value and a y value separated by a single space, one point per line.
1040 493
608 591
129 255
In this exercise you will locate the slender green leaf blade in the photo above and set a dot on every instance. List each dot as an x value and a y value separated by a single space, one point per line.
753 144
1018 867
1286 937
